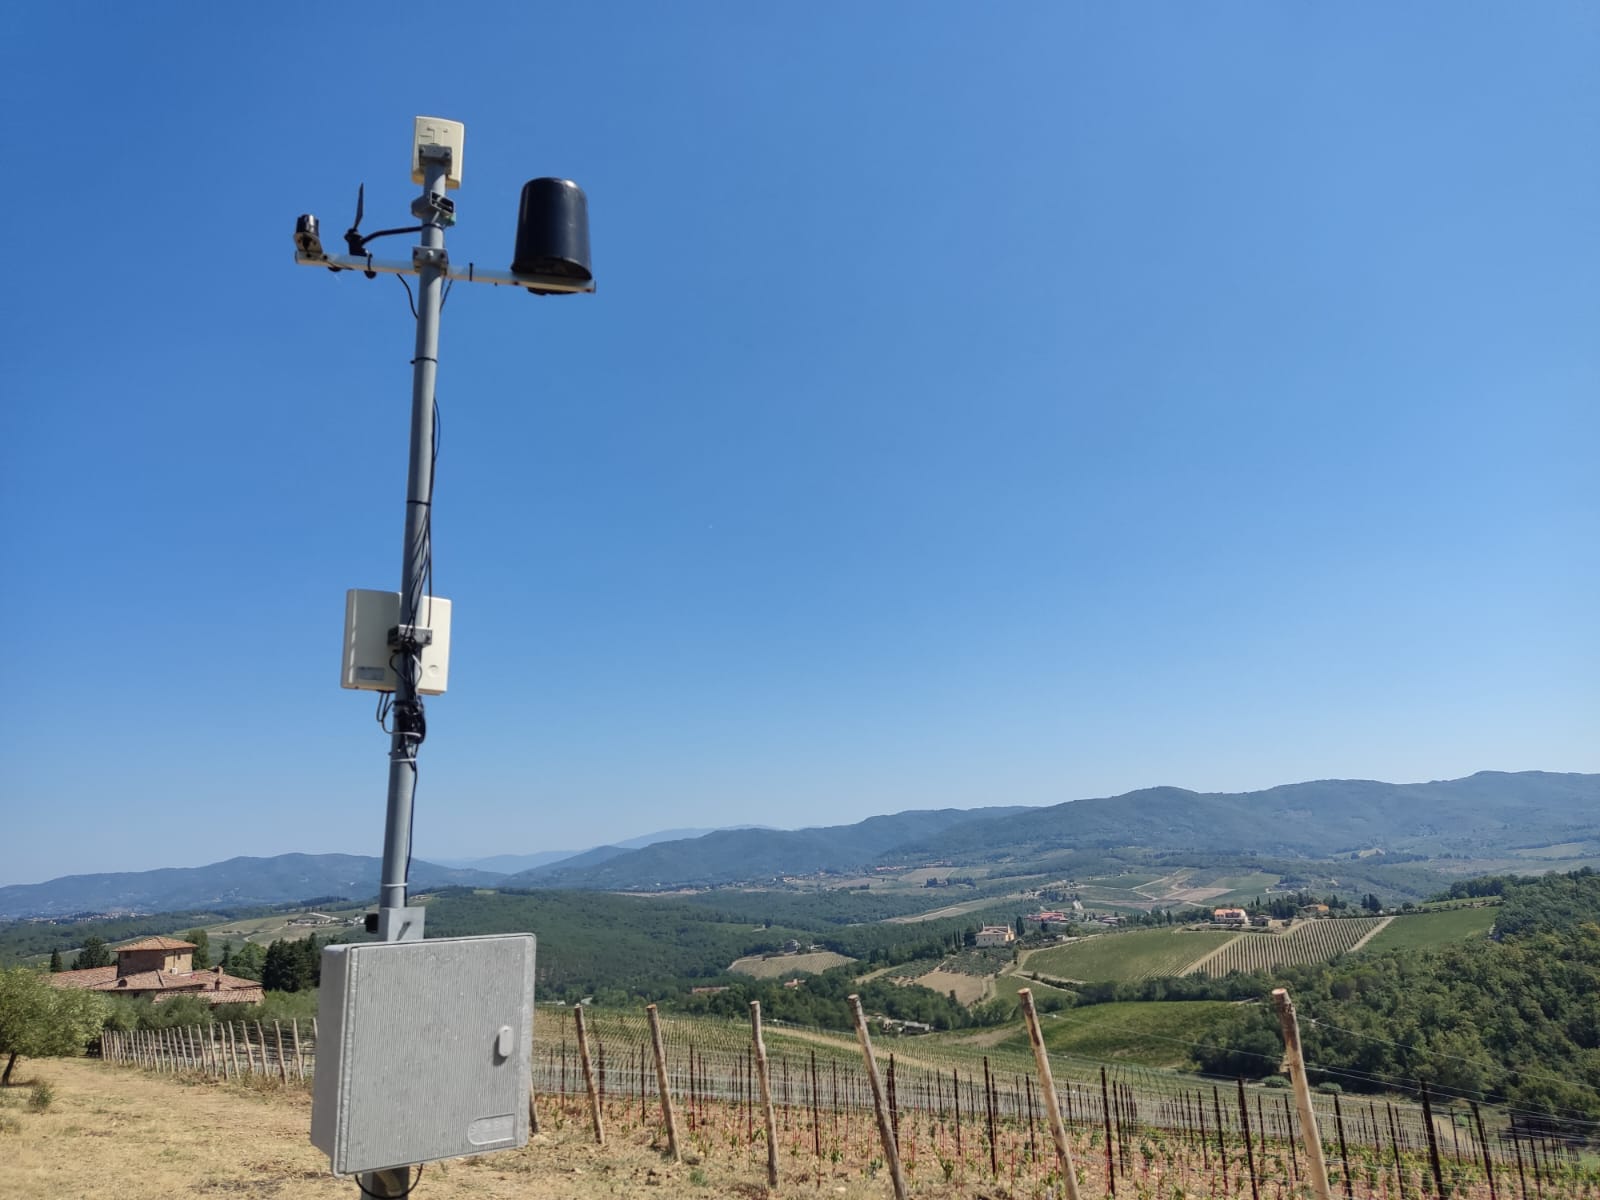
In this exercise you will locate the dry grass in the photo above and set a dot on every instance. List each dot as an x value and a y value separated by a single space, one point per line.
126 1132
969 989
784 965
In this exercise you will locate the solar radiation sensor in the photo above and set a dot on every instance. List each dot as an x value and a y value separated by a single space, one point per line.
553 231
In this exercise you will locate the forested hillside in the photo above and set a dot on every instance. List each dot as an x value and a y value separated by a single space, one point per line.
622 947
1515 1019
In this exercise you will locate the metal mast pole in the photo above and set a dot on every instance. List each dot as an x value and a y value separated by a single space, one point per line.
396 922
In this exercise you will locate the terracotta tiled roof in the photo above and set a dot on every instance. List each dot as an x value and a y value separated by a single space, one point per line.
244 995
87 978
211 985
157 943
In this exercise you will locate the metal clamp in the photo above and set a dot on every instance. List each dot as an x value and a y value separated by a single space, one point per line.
435 207
430 256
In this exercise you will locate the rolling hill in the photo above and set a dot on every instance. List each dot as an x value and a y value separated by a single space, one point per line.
730 855
1484 814
235 883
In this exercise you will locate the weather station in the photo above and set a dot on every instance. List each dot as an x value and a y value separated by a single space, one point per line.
426 1046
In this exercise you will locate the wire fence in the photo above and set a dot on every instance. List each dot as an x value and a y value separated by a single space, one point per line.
1124 1119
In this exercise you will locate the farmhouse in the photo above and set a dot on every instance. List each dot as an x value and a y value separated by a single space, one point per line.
1314 910
996 935
1229 916
161 967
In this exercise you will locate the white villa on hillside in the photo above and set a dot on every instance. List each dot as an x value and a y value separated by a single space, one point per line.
996 935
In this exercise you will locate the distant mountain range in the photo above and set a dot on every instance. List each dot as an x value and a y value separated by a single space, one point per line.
1483 816
511 864
732 855
236 883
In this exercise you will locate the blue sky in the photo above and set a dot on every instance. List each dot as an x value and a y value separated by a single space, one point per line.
981 405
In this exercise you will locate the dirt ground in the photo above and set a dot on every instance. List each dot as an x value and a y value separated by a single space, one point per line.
969 989
126 1134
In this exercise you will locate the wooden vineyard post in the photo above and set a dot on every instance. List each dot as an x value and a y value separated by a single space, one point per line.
1222 1141
955 1090
1433 1143
662 1085
1394 1144
816 1113
1522 1175
233 1048
1344 1154
833 1097
894 1100
588 1074
1105 1113
1483 1144
1047 1085
1249 1148
299 1059
283 1061
1315 1163
988 1112
769 1120
891 1150
261 1034
1288 1136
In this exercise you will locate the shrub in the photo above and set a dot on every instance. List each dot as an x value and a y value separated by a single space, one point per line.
40 1098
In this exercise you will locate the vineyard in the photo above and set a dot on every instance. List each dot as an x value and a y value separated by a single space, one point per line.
964 1120
1127 957
1307 942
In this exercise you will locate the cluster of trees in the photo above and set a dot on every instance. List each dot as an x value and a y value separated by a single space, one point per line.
292 966
822 1001
1512 1020
21 940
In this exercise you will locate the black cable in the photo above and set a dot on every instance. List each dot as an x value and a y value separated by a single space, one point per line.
409 1189
410 299
359 246
411 822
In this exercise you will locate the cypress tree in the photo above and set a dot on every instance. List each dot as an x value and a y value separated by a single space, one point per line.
93 954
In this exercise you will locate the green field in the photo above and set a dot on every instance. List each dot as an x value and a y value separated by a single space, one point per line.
1417 930
1150 1034
264 930
1119 882
1242 888
1009 985
1126 957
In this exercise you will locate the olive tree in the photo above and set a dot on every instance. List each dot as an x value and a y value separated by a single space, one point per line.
41 1021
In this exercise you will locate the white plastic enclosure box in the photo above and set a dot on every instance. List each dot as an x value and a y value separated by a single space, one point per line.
368 659
436 131
425 1050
